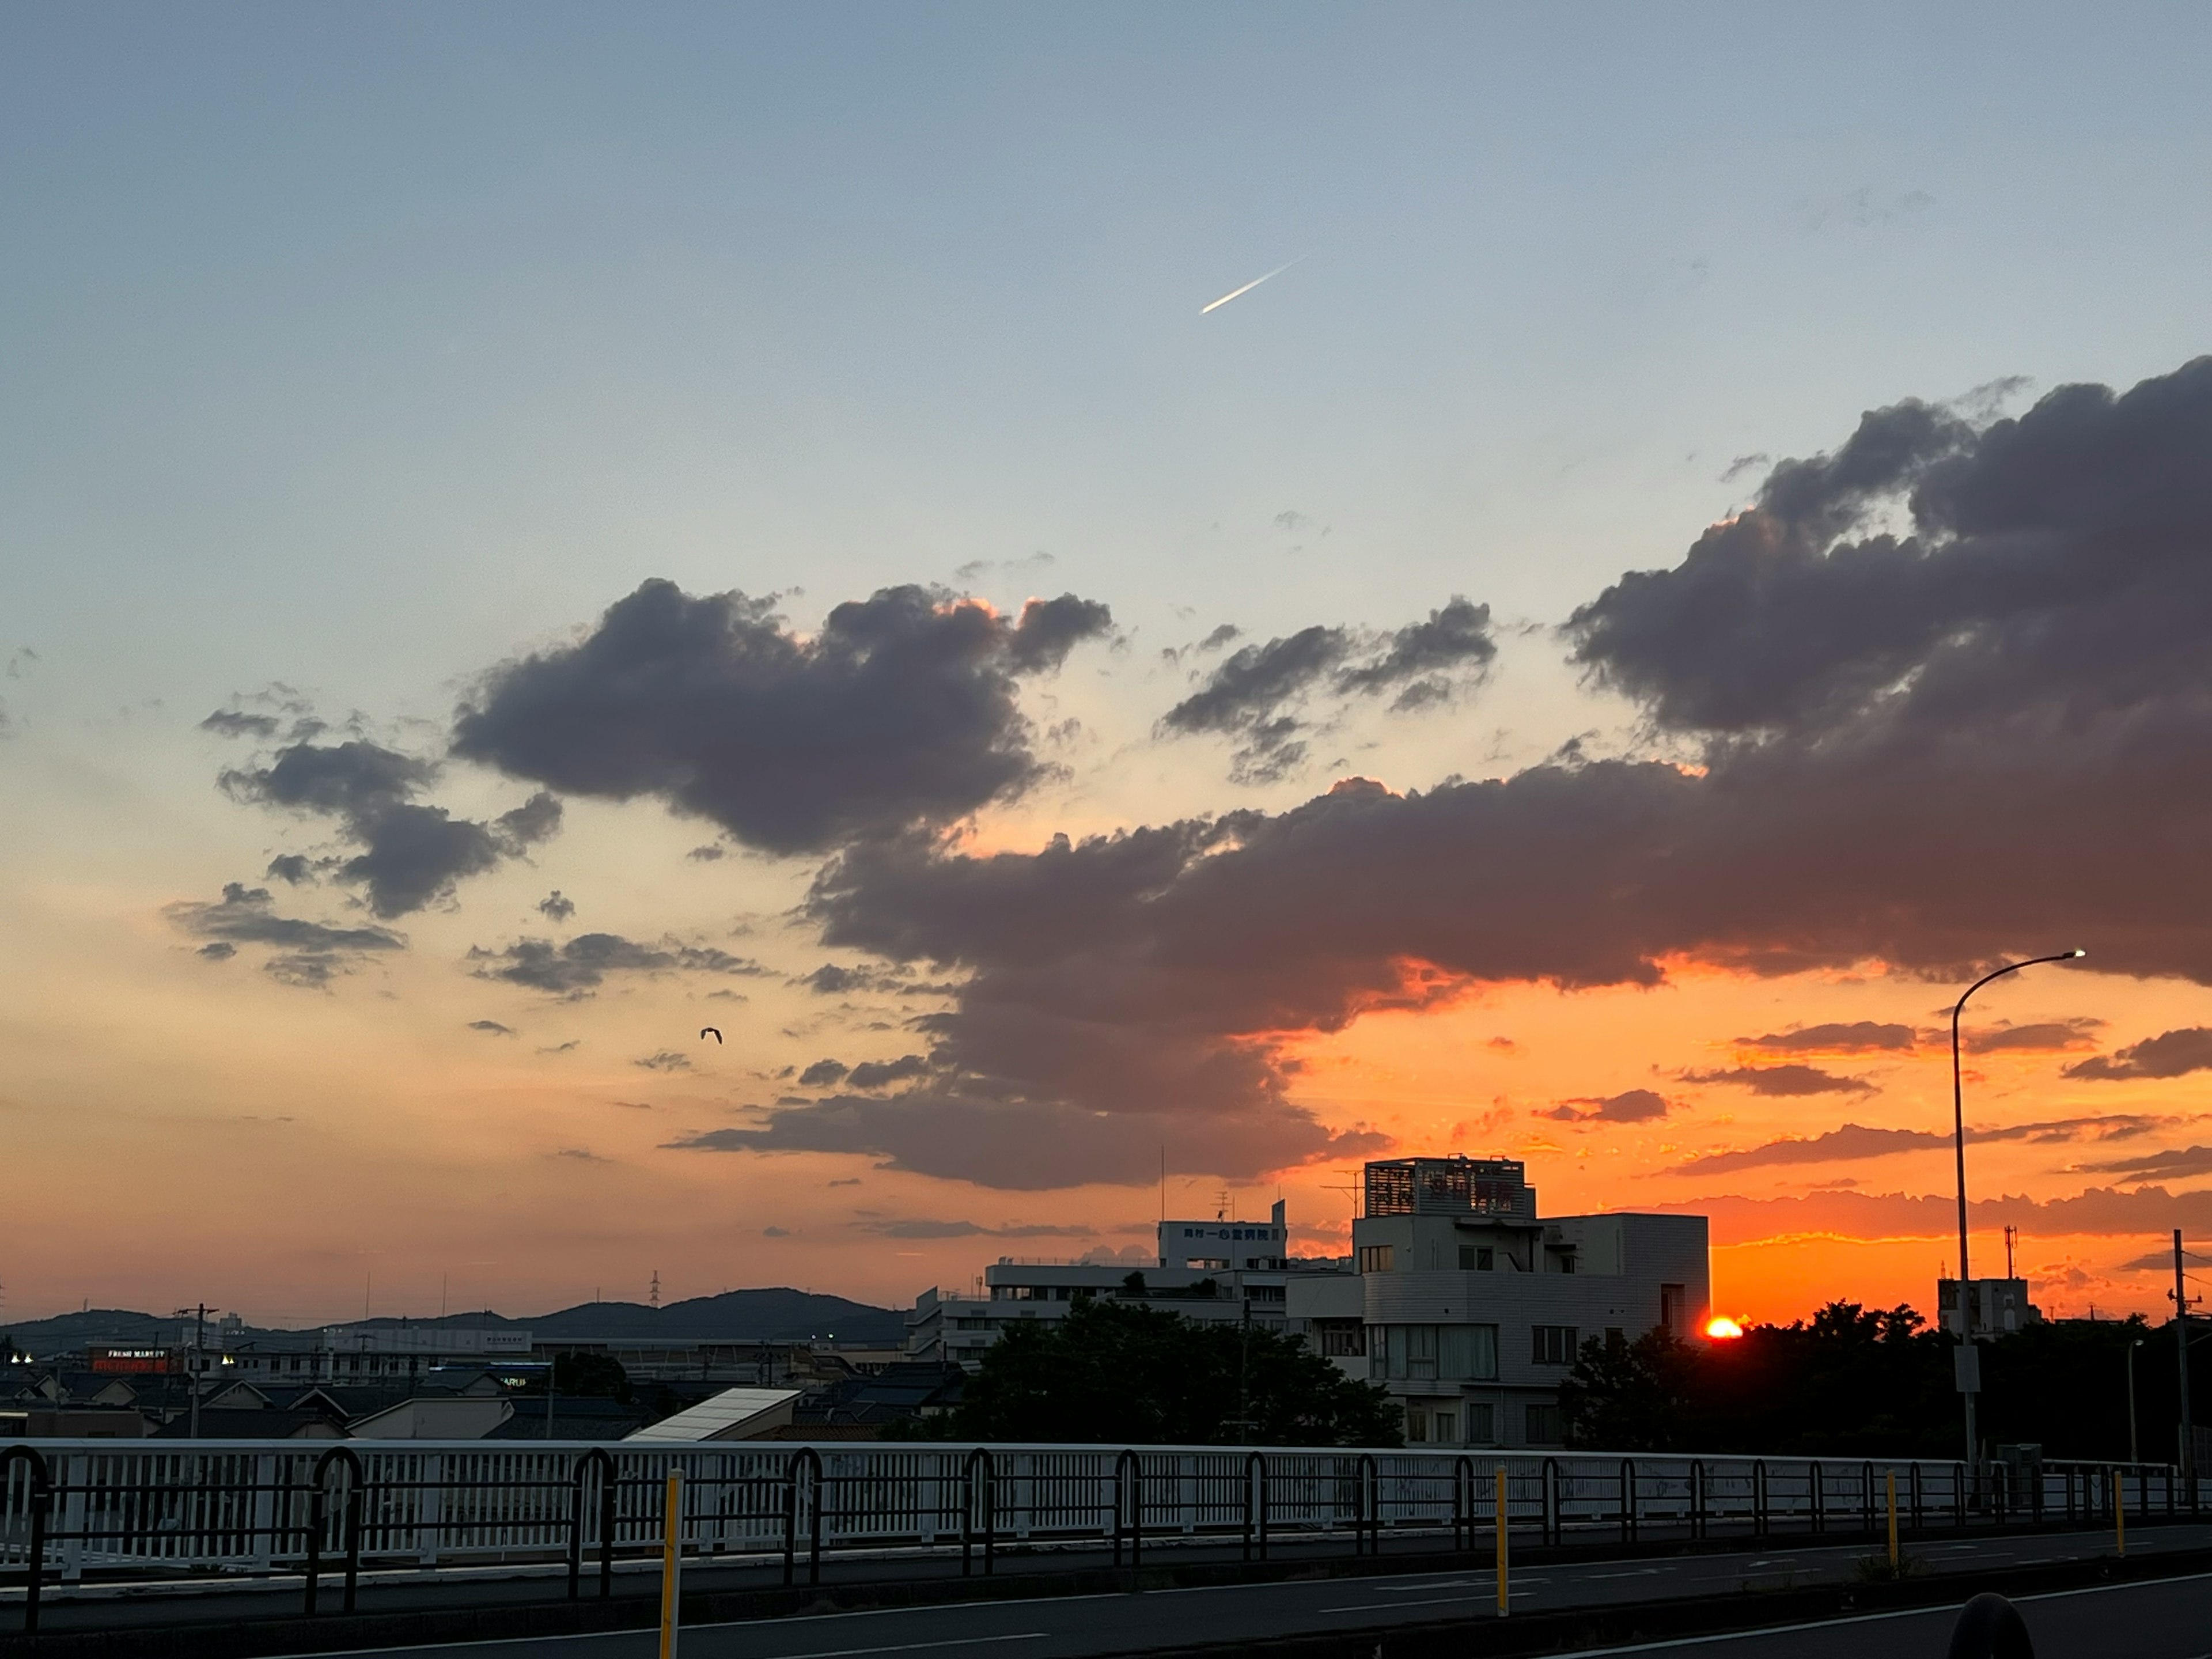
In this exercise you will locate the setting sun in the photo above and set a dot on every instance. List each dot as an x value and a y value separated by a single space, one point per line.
1723 1330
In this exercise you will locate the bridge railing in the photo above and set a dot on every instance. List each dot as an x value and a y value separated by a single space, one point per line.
119 1508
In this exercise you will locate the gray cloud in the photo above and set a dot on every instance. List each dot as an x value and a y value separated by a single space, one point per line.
2024 673
577 969
308 953
1258 695
2170 1054
2189 1161
823 1074
2099 1211
1852 1142
2051 1037
1859 1036
412 855
881 1073
921 1228
1035 1147
1786 1080
1856 1141
239 723
901 712
666 1060
1632 1106
491 1028
556 907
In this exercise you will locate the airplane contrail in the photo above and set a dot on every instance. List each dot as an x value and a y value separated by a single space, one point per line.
1247 287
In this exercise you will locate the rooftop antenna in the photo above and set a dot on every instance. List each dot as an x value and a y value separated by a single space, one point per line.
653 1295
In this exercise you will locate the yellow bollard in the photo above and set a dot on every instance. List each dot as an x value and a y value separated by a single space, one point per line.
2120 1513
671 1562
1893 1523
1504 1587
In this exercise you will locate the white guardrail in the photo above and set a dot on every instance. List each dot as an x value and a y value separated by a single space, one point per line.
111 1507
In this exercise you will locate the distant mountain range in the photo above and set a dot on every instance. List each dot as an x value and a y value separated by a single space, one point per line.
765 1316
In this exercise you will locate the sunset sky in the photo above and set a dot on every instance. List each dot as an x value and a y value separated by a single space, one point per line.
528 531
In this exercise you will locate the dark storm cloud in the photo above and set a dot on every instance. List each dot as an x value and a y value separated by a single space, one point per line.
2171 1054
411 855
308 953
1633 1106
1858 1036
1785 1080
2023 674
901 712
1258 695
574 970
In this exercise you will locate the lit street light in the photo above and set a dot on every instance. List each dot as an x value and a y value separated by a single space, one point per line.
1969 1375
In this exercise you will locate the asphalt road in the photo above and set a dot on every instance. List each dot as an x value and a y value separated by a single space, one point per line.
2170 1619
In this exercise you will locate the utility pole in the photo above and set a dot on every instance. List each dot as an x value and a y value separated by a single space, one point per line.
2188 1459
199 1333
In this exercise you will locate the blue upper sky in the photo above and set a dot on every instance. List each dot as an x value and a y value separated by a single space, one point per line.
356 343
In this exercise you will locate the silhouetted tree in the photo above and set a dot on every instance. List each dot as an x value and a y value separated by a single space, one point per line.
1111 1372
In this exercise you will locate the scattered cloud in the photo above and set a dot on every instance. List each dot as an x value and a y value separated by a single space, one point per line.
2051 1037
1859 1036
309 954
901 712
576 970
1786 1080
491 1028
2170 1054
1259 695
708 854
411 855
2188 1161
823 1074
1633 1106
555 908
666 1060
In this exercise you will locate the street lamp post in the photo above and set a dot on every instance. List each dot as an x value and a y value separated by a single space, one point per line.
1969 1378
2133 1457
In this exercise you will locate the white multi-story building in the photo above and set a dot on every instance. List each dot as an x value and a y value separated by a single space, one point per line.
1223 1269
1470 1309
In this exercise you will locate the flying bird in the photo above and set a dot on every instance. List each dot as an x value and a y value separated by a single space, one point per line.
1247 287
709 1031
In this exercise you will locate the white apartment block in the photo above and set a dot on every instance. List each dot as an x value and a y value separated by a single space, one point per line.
1470 1309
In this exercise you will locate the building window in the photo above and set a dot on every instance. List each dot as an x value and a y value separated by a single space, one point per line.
1417 1426
1553 1344
1477 1259
1446 1424
1374 1258
1345 1341
1481 1424
1467 1353
1543 1425
1674 1311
